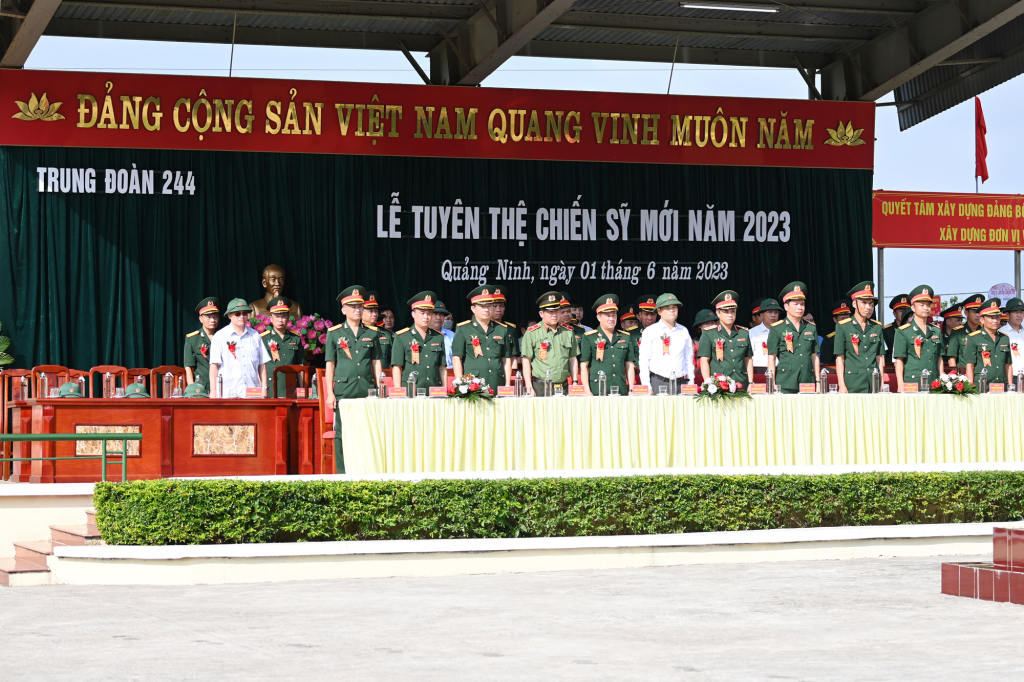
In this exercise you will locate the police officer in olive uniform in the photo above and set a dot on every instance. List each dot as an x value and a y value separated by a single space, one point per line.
284 346
841 310
549 347
898 304
371 315
988 348
956 344
793 343
918 344
607 350
352 353
419 348
481 347
725 348
197 343
859 342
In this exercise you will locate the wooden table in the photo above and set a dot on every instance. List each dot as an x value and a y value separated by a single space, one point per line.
181 437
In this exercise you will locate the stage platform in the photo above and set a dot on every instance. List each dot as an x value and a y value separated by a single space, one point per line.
396 436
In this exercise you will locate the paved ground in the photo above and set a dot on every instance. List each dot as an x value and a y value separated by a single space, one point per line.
837 620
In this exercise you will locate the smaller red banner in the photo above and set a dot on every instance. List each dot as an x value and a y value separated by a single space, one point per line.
947 221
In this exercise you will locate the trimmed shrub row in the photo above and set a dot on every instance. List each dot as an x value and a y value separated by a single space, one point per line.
176 512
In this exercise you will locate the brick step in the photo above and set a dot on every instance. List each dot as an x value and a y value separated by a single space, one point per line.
75 535
90 517
36 552
983 580
15 572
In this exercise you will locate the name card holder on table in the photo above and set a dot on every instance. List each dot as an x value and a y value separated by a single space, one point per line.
438 392
911 388
577 389
997 388
640 390
396 392
506 391
808 388
689 389
253 392
300 392
757 389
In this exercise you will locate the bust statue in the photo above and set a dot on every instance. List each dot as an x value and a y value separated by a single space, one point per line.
273 285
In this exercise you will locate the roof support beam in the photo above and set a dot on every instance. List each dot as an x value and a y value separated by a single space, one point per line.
923 41
488 39
21 35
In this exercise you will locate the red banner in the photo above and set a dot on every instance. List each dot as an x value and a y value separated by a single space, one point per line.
133 111
947 221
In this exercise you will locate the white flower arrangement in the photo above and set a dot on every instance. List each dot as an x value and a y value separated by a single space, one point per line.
719 387
953 384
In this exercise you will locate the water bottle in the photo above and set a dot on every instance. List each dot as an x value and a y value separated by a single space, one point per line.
220 386
520 388
24 389
81 386
983 381
602 384
549 387
411 384
382 384
1020 382
138 379
44 386
876 381
108 385
672 383
769 381
926 383
167 384
823 382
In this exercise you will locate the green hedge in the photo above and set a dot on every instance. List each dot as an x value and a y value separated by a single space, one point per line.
167 512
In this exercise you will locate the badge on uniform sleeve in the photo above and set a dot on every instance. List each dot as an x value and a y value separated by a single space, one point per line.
273 351
600 350
542 352
477 350
415 348
343 344
719 350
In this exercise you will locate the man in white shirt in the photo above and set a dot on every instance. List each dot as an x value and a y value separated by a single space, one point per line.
666 349
238 355
437 318
770 311
1013 329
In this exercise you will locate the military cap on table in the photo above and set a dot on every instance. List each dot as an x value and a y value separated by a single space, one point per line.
210 304
70 389
196 390
139 390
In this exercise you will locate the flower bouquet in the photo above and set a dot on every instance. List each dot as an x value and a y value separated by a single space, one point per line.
954 384
719 388
471 389
312 329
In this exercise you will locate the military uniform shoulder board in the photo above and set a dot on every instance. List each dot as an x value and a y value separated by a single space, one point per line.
592 331
905 326
371 327
830 335
463 324
957 328
889 325
296 334
876 321
536 326
401 331
337 326
265 333
619 331
971 334
191 334
740 326
776 324
568 326
846 321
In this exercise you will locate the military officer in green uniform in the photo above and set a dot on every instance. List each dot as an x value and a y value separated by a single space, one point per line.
898 304
725 348
859 342
371 315
628 322
419 348
646 315
988 348
197 343
952 320
352 353
511 330
284 346
956 344
549 348
841 310
918 344
793 343
607 350
566 318
481 347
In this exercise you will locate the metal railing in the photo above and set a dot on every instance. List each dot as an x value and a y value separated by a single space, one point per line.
104 455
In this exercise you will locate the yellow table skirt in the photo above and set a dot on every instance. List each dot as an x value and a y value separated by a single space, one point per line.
436 435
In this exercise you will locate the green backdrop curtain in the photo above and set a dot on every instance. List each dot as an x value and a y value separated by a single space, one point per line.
109 278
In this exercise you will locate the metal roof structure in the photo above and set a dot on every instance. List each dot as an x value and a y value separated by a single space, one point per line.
932 53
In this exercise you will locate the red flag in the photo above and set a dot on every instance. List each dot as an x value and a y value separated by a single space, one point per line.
980 146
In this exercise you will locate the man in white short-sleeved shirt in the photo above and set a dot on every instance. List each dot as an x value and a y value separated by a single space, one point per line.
238 355
1014 329
666 349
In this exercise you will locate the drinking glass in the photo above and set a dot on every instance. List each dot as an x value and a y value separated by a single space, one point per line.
176 393
614 390
559 391
421 393
663 390
54 392
119 392
371 393
885 388
833 389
